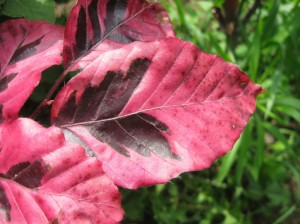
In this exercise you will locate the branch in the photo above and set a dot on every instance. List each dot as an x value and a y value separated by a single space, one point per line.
240 8
219 16
252 10
47 101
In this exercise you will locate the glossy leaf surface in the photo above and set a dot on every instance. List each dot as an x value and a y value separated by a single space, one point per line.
91 22
44 179
27 49
150 111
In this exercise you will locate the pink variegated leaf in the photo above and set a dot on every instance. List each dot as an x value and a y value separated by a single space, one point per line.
44 179
27 49
150 111
112 23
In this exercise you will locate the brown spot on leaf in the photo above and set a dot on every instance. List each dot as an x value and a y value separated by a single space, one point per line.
54 221
243 84
80 215
66 161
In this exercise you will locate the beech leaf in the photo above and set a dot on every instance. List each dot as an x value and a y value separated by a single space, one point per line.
27 49
44 179
152 110
119 22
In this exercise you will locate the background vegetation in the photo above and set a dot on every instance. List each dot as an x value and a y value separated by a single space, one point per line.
259 180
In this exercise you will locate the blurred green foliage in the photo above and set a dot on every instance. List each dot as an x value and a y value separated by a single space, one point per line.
259 180
30 9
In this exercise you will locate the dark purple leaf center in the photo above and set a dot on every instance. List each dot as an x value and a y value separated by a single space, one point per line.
99 107
115 15
26 51
26 174
6 80
141 133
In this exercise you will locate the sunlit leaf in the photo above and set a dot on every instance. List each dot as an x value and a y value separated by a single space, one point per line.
149 111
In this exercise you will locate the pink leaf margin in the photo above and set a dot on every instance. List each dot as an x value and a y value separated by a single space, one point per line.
58 184
29 47
88 30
